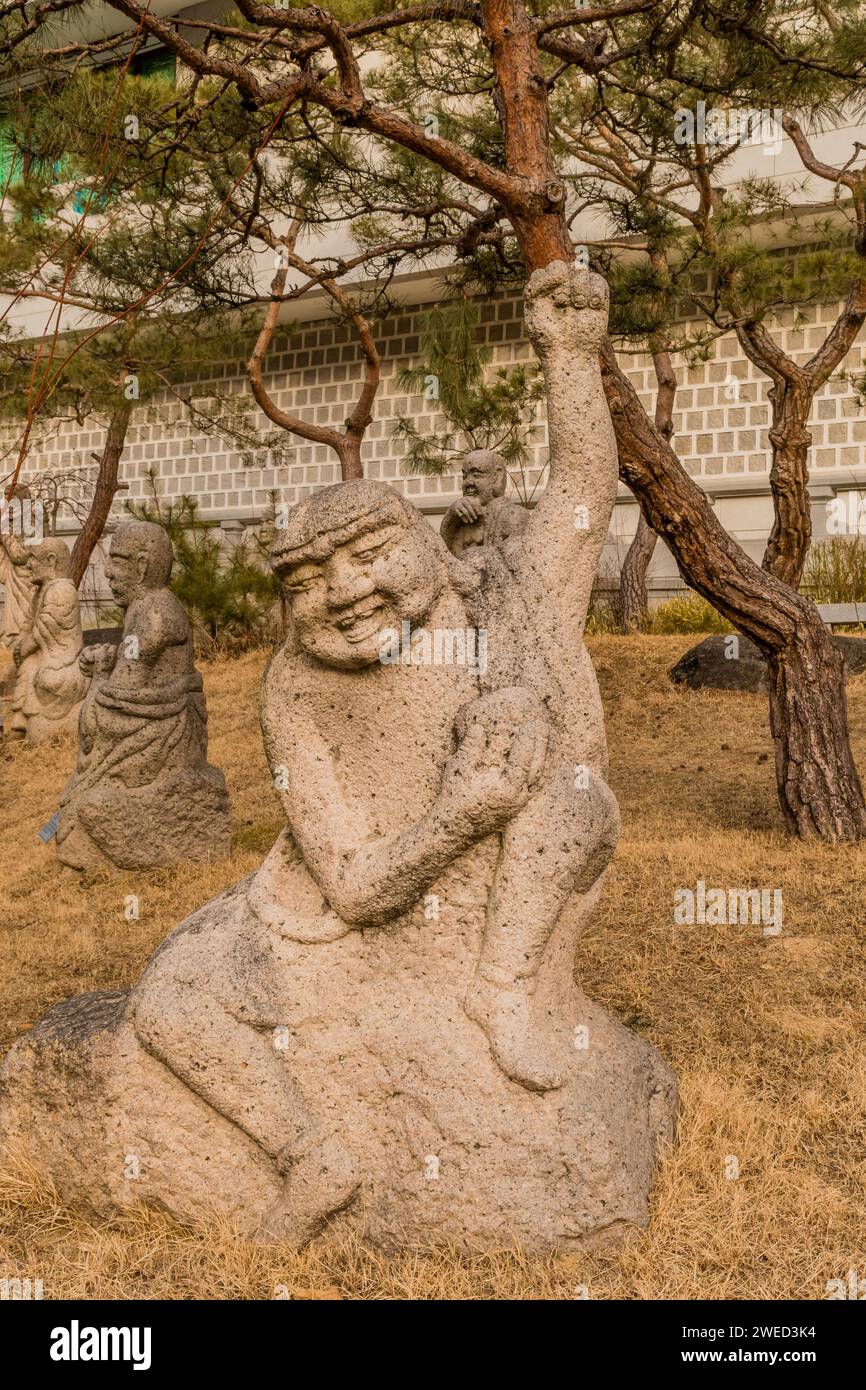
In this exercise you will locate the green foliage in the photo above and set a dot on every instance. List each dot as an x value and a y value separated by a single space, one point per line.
232 593
836 570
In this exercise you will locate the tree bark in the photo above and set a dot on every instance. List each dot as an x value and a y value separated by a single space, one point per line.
104 492
791 534
791 396
632 581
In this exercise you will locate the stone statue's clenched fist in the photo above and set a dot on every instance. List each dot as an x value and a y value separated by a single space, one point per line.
566 308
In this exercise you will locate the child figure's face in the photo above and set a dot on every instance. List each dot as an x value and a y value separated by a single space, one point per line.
481 481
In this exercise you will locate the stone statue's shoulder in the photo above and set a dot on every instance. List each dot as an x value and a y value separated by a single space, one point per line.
517 512
289 676
160 613
62 595
169 603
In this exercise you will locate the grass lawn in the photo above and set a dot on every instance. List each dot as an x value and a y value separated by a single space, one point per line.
765 1033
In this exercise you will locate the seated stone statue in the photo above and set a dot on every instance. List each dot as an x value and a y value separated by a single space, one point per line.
381 1027
49 686
142 793
483 516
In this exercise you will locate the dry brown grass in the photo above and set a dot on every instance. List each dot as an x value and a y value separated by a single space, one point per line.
764 1033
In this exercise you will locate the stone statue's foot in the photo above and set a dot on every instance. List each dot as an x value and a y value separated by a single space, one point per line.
319 1182
521 1048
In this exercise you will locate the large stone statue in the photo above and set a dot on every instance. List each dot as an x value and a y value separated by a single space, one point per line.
18 593
381 1026
49 686
18 587
483 515
142 793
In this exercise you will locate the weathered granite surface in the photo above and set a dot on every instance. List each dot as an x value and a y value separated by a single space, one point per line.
143 793
381 1027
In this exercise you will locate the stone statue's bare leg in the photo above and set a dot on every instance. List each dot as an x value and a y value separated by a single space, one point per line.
558 844
235 1068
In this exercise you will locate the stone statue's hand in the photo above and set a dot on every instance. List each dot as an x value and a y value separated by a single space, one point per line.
101 659
566 309
498 763
468 510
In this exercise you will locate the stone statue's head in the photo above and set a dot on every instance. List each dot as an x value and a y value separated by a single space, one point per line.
355 560
484 475
49 560
140 558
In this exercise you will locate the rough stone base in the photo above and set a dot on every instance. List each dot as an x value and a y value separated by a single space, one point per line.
445 1146
186 816
706 667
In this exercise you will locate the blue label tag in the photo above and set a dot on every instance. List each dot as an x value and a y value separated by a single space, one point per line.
50 830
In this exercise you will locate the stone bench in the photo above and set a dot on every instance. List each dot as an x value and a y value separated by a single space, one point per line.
837 614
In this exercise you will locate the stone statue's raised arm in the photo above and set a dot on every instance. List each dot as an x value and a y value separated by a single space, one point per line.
15 549
566 317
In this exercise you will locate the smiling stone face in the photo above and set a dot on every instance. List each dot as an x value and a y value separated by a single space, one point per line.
484 475
356 560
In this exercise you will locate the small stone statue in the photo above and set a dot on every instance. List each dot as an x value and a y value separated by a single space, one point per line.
49 685
483 516
143 794
381 1028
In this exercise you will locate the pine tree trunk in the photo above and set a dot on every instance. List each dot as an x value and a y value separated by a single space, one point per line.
818 783
349 453
104 492
632 579
818 786
791 536
633 591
